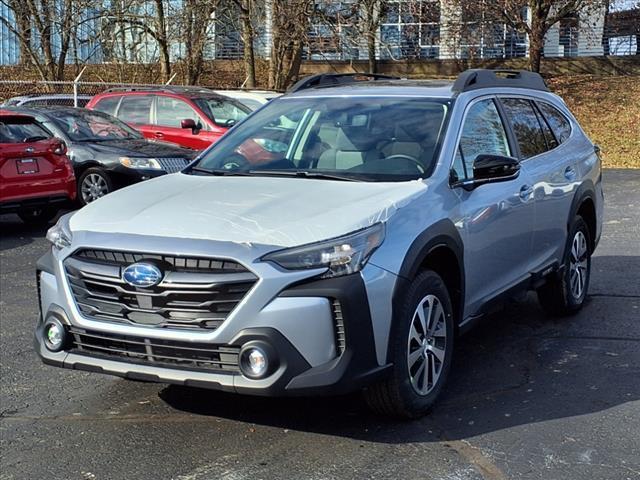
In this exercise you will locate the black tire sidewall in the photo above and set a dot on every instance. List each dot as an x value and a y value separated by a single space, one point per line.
426 283
85 174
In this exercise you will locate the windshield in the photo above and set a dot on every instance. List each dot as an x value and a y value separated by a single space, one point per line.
365 138
224 113
91 126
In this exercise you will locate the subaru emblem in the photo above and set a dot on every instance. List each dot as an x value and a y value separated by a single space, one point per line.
142 275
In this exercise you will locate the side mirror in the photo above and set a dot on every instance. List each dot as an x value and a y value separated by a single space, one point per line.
190 123
491 169
495 167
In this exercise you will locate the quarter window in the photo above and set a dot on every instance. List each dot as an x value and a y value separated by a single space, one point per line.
135 109
108 104
557 121
525 126
483 133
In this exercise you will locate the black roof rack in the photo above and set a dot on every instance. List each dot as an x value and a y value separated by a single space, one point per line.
335 79
483 78
160 88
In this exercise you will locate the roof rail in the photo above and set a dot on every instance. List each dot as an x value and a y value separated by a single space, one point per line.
483 78
160 88
322 80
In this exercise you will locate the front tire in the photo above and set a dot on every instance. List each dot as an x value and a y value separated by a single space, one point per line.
94 183
565 293
421 349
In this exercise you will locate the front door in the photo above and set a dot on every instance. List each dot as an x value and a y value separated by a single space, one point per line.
496 219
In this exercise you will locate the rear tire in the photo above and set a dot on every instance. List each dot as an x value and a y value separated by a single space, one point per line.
420 348
37 216
94 183
564 294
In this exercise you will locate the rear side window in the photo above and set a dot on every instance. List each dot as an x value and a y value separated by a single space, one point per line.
108 104
557 121
525 126
21 131
135 109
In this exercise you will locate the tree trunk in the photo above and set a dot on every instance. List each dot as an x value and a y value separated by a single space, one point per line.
371 52
163 44
247 44
537 33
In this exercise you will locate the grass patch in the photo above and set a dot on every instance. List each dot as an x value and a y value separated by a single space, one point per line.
608 109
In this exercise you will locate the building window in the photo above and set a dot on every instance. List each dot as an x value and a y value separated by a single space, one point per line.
410 29
569 37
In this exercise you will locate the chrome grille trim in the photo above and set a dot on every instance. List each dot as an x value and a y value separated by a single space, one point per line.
161 353
186 298
173 165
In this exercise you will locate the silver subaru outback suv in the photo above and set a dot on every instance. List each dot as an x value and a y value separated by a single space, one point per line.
338 239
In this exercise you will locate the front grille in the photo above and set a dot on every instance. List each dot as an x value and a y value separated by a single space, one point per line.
156 352
195 293
172 165
338 326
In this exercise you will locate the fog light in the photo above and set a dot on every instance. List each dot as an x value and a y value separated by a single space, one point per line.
254 362
54 335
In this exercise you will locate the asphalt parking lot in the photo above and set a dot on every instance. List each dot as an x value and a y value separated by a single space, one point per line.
530 397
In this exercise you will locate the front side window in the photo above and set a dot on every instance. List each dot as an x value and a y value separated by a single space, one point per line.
171 111
483 133
20 130
557 121
367 138
224 113
88 126
525 126
136 109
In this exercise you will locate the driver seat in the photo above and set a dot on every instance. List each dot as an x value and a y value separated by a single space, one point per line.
353 147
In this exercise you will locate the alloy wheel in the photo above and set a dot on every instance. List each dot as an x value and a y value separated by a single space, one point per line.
426 345
93 187
578 265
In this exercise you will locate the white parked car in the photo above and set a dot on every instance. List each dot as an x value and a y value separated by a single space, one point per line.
253 99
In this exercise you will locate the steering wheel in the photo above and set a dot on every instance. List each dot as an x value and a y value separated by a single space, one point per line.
402 156
103 132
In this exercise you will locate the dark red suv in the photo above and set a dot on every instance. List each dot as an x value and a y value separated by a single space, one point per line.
36 177
190 117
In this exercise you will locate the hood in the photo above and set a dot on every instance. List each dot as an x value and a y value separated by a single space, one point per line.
281 212
137 148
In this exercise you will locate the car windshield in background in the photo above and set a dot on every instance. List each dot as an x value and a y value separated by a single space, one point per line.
366 138
89 126
21 131
222 112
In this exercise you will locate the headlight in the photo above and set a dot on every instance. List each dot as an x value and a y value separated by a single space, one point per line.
341 256
60 234
133 162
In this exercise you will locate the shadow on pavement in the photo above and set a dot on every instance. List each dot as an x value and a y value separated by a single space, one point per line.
518 367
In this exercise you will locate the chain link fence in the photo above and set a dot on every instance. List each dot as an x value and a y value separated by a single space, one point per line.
39 93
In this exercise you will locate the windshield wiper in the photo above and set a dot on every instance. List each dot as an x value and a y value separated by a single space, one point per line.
303 174
219 173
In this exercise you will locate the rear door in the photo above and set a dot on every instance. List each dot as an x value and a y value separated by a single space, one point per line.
554 175
29 167
497 218
169 113
135 110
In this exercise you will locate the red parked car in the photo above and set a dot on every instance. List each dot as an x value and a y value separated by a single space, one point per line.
190 117
36 177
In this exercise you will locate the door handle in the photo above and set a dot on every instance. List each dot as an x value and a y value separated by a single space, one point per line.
525 192
158 134
569 173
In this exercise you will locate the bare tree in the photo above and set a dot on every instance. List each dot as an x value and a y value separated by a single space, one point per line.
291 20
45 30
197 19
248 11
544 14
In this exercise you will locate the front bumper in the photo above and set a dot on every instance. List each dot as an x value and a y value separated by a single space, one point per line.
350 362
